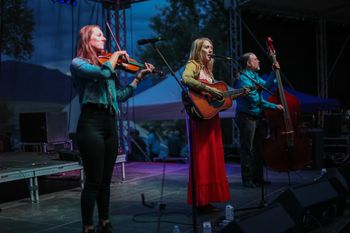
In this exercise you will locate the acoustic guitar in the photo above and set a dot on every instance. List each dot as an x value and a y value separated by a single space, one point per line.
206 106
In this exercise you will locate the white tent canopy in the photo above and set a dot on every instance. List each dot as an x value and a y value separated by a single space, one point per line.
160 102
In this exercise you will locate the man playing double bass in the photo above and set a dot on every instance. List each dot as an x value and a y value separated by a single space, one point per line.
248 118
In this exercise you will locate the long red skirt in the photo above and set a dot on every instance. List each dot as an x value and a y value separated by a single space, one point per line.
209 165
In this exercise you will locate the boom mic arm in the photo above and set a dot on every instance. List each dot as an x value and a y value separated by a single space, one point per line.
150 40
221 57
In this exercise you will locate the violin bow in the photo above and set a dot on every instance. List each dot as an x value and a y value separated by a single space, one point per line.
115 40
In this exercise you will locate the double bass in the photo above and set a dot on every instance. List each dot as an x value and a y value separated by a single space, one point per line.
287 147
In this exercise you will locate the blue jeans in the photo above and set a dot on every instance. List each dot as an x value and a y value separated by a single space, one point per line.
97 140
251 140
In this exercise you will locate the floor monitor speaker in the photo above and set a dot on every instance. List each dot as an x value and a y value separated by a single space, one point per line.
272 219
344 170
311 204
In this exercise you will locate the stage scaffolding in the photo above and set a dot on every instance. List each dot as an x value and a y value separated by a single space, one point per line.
237 24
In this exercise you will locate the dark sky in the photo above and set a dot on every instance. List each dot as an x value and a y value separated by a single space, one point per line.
53 28
295 44
54 40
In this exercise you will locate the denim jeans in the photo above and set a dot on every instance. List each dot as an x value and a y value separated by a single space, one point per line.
97 140
251 140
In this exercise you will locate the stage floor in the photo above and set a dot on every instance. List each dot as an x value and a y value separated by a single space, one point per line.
59 212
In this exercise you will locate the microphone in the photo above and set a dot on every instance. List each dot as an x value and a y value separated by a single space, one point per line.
221 57
150 40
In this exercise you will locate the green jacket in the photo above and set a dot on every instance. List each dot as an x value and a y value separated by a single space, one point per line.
190 76
92 82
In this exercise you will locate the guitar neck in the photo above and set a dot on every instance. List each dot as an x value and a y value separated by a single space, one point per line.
238 91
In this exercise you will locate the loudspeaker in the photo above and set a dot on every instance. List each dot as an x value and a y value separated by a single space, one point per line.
340 184
332 124
338 178
345 172
317 136
272 219
43 127
311 204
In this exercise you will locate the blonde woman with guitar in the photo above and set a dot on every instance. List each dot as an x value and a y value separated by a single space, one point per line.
210 180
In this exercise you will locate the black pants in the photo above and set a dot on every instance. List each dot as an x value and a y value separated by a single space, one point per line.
252 134
97 140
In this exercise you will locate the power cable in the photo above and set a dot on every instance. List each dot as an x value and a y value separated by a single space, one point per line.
338 57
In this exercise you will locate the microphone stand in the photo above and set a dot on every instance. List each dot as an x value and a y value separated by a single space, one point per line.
257 84
263 202
189 138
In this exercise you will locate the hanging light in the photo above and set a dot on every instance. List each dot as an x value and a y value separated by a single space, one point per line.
68 2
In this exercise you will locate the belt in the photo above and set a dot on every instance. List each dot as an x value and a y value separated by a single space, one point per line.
98 107
249 115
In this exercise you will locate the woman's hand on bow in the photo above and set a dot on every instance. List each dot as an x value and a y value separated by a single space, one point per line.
116 56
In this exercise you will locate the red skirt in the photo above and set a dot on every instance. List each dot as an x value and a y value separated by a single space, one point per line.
209 165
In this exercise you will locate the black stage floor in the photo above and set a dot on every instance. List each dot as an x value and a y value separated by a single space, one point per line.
59 211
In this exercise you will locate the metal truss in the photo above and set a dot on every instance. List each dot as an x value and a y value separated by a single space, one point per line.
118 24
235 49
321 62
321 58
115 12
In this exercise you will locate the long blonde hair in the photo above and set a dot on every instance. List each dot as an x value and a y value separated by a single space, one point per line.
196 54
84 49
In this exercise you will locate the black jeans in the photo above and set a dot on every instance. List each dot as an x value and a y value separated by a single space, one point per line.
97 140
252 135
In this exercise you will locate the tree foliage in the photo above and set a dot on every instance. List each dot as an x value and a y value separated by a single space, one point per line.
181 22
17 25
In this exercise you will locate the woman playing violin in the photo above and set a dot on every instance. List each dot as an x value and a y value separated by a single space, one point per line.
97 135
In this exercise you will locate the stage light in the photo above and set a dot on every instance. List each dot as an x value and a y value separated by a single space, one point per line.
68 2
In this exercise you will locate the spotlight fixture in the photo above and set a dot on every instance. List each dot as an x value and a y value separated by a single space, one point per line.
68 2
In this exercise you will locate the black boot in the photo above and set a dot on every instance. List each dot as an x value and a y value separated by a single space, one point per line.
107 228
89 231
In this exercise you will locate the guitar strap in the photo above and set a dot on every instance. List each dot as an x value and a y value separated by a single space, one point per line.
189 106
188 103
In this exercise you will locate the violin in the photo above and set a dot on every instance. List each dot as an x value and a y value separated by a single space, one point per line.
125 63
129 65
